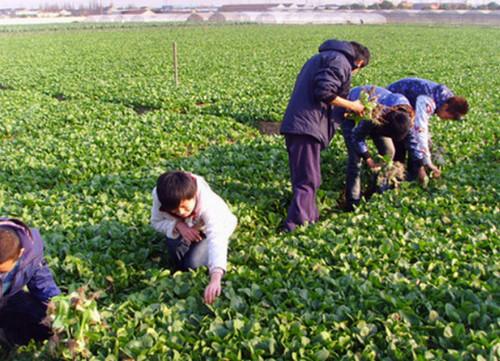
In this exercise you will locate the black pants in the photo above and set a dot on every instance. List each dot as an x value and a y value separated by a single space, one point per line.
401 155
21 317
186 257
385 146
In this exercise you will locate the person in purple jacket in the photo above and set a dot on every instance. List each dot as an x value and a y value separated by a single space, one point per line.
324 81
22 264
396 118
427 98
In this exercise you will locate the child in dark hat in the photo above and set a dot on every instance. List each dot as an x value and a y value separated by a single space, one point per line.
393 123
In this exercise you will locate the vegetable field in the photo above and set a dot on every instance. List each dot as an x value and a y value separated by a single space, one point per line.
90 118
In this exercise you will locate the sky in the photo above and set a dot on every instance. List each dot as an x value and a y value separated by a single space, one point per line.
31 4
76 3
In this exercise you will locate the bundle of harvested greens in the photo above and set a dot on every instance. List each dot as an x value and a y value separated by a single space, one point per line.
375 112
390 175
372 109
75 321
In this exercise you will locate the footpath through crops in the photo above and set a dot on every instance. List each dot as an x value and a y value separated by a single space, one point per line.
90 117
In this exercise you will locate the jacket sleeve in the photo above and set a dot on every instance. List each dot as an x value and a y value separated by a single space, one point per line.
418 139
359 135
330 79
42 284
220 223
161 221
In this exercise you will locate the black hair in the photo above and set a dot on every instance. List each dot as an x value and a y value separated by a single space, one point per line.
361 52
396 125
10 245
174 187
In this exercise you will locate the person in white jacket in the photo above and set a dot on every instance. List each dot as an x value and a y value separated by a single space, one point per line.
197 224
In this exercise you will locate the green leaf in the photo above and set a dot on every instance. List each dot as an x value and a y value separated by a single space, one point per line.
322 354
448 331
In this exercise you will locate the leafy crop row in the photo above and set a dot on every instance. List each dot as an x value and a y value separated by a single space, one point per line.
90 118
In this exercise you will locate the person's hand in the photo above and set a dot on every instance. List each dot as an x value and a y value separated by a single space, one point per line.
214 288
372 165
187 233
435 171
422 175
357 107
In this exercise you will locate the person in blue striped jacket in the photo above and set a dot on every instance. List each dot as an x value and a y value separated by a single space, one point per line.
427 98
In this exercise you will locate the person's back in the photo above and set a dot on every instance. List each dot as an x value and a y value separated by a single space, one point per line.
412 88
309 105
382 95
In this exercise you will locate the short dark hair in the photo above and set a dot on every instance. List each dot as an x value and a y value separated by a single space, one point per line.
457 106
10 245
396 125
174 187
361 52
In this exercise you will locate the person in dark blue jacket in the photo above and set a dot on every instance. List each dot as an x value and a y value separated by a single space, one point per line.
22 264
427 98
396 117
324 81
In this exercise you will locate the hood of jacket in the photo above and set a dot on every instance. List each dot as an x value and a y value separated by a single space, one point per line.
24 234
343 47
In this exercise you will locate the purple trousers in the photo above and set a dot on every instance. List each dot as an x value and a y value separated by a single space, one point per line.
305 170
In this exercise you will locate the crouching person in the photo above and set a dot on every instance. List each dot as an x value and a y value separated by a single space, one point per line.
394 121
427 98
197 224
22 264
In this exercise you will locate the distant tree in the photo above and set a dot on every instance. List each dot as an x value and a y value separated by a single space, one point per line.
357 6
493 6
453 6
374 6
386 5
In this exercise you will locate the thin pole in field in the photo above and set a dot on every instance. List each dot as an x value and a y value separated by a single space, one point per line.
176 65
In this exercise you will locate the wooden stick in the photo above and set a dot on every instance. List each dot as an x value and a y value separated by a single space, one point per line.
176 65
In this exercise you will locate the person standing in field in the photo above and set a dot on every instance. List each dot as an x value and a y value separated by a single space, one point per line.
427 98
324 81
22 264
197 224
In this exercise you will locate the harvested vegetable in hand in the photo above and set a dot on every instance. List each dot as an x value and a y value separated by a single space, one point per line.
372 109
390 175
75 322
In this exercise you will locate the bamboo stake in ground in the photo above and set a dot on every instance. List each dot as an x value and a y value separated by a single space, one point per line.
176 67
